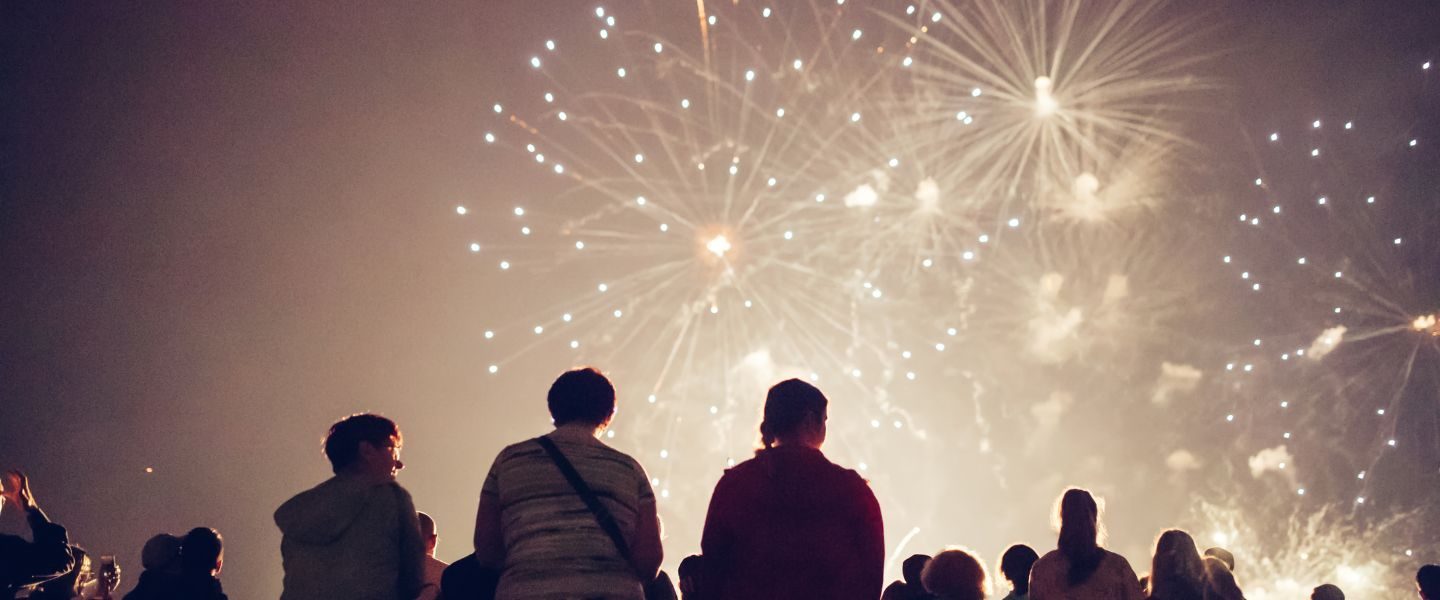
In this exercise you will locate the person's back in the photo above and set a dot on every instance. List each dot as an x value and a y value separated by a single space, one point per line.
1080 569
355 536
1113 578
552 541
534 527
789 523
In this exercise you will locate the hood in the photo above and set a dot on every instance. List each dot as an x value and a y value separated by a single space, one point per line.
323 513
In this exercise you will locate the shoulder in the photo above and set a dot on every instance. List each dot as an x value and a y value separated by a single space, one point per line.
528 446
1047 562
394 488
1118 563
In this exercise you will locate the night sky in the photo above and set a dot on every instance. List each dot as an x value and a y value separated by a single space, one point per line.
225 225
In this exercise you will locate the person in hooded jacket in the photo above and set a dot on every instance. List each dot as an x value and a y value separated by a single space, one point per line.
355 536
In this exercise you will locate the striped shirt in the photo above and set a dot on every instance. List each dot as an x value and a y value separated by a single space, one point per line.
554 547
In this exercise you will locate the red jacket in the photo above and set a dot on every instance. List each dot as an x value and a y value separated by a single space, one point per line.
791 524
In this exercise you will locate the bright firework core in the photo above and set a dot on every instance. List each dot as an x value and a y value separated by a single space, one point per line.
718 245
1045 104
1426 323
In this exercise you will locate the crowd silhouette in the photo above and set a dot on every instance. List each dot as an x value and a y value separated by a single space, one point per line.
565 516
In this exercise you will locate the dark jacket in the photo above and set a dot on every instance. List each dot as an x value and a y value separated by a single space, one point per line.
156 585
790 524
200 587
25 563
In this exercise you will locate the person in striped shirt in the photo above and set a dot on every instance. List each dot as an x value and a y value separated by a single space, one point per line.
534 527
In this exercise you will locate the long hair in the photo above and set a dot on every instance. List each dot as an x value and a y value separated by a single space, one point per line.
1176 572
1080 534
787 405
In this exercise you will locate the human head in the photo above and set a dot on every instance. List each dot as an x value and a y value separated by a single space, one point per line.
955 574
583 396
428 532
1015 564
1220 582
1327 591
1428 580
161 553
912 567
1224 555
364 443
1078 516
202 551
795 413
1177 567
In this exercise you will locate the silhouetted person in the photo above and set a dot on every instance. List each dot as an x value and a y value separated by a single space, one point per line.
202 556
1220 581
1079 569
955 574
466 578
910 587
161 579
1224 555
356 535
1015 565
1177 572
1427 582
692 578
535 527
1327 591
789 523
24 563
434 567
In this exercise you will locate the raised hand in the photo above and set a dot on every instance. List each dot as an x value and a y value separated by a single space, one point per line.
16 489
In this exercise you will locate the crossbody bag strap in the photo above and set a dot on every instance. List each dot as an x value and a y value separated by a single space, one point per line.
602 515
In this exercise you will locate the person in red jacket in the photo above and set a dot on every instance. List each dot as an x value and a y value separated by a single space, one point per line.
789 523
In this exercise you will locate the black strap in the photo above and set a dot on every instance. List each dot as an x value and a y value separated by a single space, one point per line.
607 521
